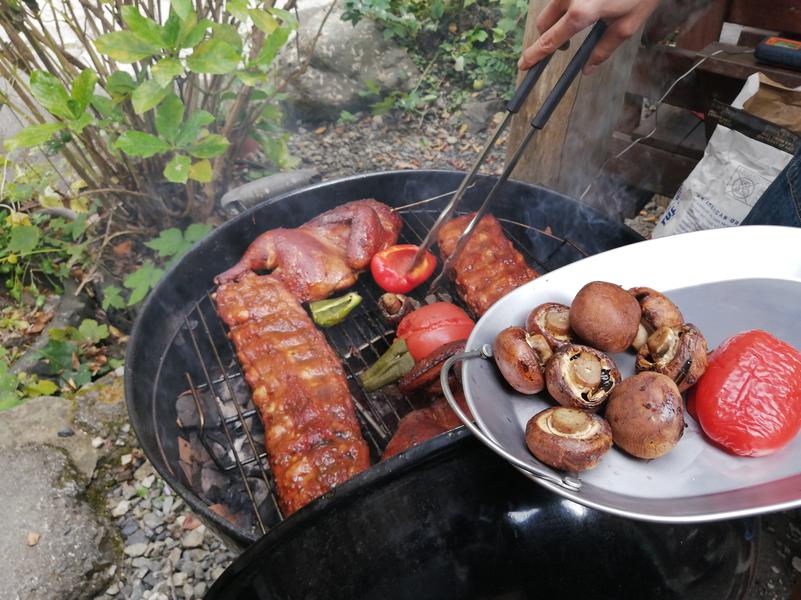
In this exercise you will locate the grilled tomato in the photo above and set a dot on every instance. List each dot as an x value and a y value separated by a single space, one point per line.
432 326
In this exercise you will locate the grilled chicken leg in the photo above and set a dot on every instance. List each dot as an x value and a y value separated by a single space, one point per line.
324 255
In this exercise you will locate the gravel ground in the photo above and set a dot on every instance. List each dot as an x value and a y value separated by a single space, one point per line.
389 142
168 554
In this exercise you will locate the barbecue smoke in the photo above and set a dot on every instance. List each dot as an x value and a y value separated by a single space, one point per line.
578 156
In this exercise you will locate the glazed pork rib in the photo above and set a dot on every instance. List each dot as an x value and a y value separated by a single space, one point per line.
312 436
489 266
324 255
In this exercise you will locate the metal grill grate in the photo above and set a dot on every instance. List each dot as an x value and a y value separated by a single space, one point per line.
216 411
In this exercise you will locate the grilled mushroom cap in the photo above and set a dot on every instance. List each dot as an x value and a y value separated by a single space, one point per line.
520 356
657 311
394 307
605 316
646 414
568 438
680 353
552 321
580 377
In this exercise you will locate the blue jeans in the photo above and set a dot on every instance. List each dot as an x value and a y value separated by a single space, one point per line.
781 202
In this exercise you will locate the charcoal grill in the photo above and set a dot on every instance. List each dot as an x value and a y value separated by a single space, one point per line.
187 399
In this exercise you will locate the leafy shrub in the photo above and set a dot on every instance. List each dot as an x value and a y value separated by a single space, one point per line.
481 39
170 245
198 79
15 387
72 357
75 355
39 249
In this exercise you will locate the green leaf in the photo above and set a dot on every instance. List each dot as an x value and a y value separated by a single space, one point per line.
77 378
147 95
287 17
238 8
263 20
214 56
103 105
58 354
177 170
251 78
229 34
196 231
78 124
478 35
120 83
125 46
190 129
39 387
141 281
23 238
139 143
83 88
506 24
33 135
112 297
169 115
49 92
169 242
272 45
165 70
91 331
143 27
172 243
276 150
209 147
171 31
182 8
196 34
8 388
201 171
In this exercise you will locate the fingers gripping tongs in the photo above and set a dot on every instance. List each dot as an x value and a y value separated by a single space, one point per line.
540 119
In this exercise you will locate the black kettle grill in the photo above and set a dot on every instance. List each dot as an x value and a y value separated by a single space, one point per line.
447 519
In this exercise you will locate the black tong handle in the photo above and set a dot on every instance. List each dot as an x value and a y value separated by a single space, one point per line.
525 87
574 66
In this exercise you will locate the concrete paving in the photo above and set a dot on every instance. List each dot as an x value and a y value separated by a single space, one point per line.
53 545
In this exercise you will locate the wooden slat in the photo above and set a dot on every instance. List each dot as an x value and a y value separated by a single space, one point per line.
738 62
704 30
655 68
778 15
647 167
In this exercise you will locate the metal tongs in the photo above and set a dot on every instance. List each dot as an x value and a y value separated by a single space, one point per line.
540 119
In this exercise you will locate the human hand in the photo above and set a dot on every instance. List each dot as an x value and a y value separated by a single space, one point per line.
562 19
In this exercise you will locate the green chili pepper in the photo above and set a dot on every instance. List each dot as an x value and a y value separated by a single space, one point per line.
392 365
327 313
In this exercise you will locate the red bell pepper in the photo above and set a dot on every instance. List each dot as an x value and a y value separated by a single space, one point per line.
749 399
392 268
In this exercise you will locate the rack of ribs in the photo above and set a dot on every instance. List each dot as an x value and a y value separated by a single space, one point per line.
324 255
489 266
312 435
